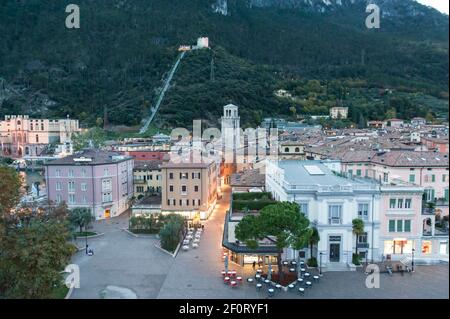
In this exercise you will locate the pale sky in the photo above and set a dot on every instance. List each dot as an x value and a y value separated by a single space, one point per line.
441 5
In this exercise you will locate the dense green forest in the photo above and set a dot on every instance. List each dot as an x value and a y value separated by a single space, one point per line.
118 58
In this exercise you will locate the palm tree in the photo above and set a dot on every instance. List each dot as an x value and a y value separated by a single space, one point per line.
358 229
80 217
314 239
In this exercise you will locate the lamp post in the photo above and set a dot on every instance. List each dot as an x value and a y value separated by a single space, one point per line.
412 262
85 233
320 264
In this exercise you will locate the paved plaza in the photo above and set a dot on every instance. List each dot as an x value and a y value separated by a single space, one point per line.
122 265
125 266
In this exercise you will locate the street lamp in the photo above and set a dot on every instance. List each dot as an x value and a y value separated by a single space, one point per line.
412 262
320 264
85 233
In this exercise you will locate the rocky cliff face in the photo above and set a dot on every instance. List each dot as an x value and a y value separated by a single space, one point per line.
221 6
389 8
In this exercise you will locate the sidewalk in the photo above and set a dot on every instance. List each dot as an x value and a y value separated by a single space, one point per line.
196 273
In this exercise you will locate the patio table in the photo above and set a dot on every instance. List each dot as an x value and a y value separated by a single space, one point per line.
239 278
233 283
226 279
291 286
258 286
308 284
291 269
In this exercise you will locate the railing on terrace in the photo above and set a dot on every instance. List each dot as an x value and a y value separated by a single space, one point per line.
329 188
428 211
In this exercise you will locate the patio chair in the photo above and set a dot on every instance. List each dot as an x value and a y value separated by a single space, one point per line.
301 291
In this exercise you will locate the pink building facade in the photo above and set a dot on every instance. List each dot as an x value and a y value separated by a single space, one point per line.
406 228
429 170
97 180
20 135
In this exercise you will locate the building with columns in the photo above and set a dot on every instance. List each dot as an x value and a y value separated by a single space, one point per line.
396 224
330 202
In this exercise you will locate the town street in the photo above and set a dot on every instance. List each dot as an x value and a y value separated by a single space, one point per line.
125 266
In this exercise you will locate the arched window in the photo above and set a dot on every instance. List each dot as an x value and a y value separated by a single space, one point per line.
286 149
297 150
31 126
37 138
42 126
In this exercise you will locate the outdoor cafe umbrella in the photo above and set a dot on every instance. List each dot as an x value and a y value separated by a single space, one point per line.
269 273
226 264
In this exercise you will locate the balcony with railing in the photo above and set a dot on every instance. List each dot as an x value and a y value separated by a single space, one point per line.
330 188
362 245
428 211
138 181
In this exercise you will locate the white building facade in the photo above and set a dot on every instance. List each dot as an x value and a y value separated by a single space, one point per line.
331 203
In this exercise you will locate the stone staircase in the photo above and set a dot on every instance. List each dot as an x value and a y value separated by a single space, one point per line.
335 267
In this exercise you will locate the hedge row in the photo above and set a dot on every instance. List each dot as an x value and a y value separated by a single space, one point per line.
251 204
252 196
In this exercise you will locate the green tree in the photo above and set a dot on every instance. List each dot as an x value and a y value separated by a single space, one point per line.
361 122
293 110
358 229
391 113
80 217
313 239
10 189
170 234
281 223
99 122
33 257
429 118
33 244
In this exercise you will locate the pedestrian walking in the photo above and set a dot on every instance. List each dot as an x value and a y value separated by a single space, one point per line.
254 264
